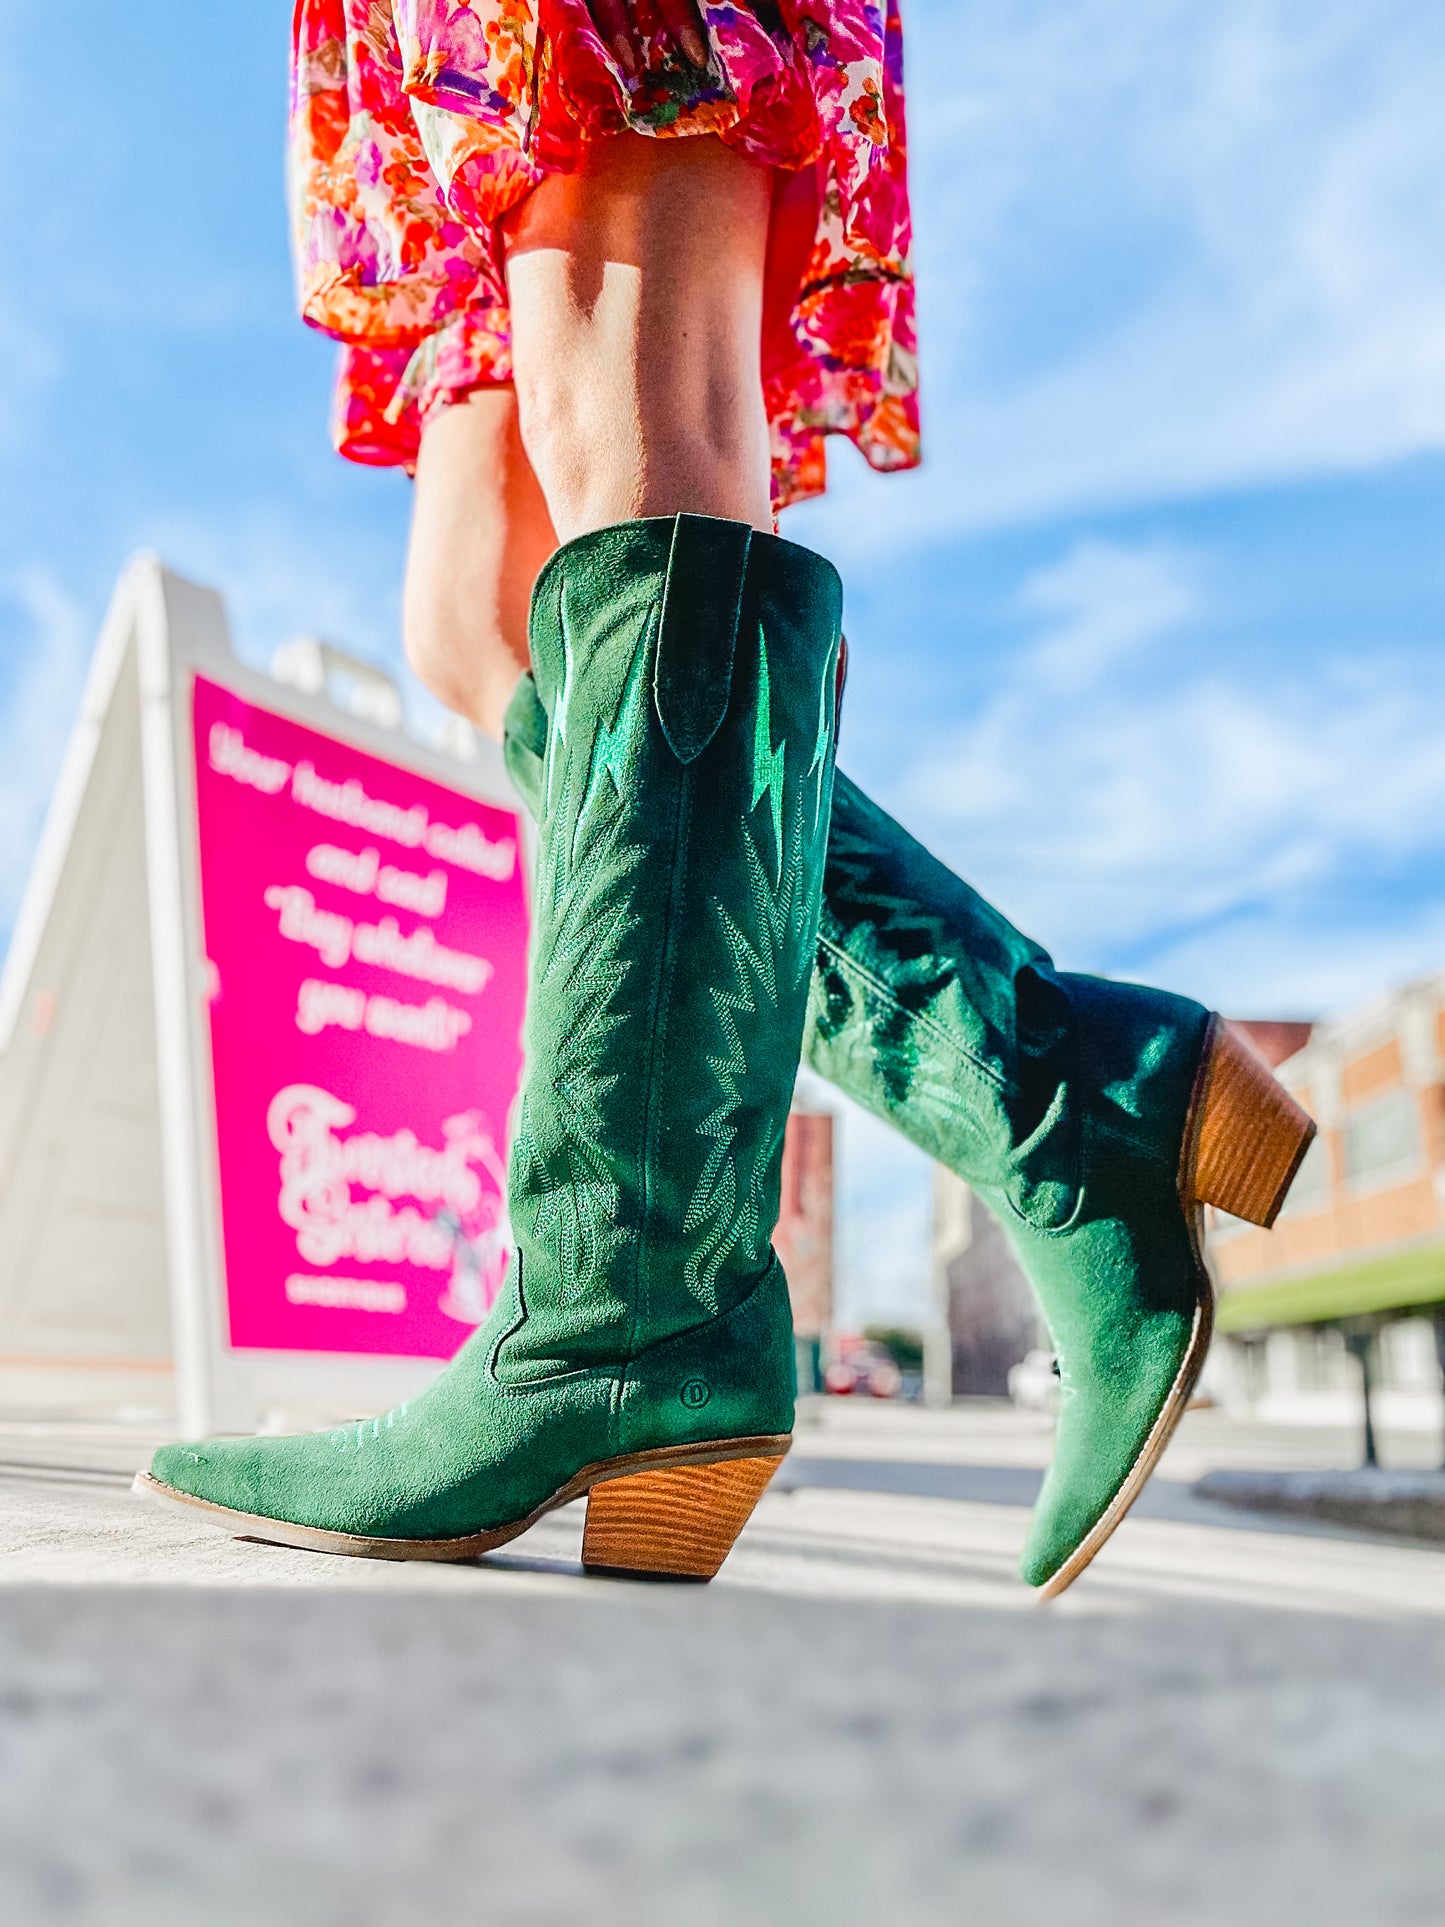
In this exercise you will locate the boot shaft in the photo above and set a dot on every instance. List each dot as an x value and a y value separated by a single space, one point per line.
932 1011
687 673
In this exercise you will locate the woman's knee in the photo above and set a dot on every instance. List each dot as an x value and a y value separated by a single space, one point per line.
462 649
478 535
436 647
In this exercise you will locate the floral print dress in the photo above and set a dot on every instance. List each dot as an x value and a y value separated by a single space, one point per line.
417 124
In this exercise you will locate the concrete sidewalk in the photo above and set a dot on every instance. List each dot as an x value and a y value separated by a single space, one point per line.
866 1717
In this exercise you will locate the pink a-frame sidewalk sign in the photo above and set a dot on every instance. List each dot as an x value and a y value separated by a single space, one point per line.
338 923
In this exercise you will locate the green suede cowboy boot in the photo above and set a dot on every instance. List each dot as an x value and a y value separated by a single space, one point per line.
641 1350
1094 1118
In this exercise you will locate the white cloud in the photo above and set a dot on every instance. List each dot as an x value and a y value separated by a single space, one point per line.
283 576
1223 831
1292 965
1165 250
1106 603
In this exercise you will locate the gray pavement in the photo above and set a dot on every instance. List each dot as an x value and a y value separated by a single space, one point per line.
1228 1719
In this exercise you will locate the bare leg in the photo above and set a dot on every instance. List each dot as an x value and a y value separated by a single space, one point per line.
645 398
636 289
480 532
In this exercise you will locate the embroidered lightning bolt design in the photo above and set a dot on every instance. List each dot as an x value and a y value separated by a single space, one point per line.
557 735
820 750
587 917
613 746
768 762
766 964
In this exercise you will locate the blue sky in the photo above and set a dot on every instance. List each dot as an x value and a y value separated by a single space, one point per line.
1151 648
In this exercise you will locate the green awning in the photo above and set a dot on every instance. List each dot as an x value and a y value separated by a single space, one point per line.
1401 1282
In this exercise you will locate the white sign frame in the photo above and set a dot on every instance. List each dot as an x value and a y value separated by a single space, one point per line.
178 631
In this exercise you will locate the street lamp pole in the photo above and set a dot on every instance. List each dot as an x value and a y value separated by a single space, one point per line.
1359 1342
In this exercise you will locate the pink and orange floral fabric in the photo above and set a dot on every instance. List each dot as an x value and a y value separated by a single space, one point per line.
417 124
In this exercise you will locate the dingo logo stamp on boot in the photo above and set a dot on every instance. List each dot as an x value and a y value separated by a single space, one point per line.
695 1393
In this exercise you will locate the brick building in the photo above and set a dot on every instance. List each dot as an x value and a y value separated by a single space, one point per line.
804 1236
1360 1246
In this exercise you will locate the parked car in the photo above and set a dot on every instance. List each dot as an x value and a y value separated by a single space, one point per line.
860 1368
1033 1384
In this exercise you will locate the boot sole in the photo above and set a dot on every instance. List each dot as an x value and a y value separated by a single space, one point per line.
1245 1140
672 1512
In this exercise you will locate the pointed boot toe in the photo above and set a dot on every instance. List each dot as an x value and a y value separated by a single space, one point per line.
180 1468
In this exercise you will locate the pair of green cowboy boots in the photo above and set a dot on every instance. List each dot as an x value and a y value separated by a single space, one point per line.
710 903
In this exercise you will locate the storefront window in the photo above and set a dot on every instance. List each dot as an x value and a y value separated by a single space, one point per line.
1382 1139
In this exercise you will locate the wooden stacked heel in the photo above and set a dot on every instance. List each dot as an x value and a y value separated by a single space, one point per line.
1249 1135
679 1521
